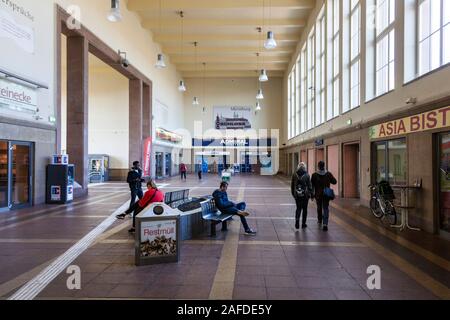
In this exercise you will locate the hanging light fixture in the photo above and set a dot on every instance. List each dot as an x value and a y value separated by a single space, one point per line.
260 95
263 76
270 42
160 64
204 86
258 106
114 14
182 86
195 102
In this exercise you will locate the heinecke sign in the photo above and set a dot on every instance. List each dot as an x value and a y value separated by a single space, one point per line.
18 97
430 120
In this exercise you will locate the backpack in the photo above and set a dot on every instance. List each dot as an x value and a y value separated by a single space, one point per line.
301 188
386 190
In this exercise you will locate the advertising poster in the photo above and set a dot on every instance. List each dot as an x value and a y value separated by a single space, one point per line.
55 192
233 118
158 238
146 168
22 35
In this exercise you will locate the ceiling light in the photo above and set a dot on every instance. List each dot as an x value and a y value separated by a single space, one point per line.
114 14
195 102
270 42
160 64
263 76
258 106
182 87
260 95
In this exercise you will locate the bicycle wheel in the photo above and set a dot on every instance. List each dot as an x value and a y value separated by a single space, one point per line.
390 218
375 207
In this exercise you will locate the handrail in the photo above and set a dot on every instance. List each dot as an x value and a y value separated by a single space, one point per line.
9 74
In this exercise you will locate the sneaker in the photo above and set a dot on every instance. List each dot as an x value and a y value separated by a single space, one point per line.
250 233
243 213
297 224
325 228
304 226
132 230
121 216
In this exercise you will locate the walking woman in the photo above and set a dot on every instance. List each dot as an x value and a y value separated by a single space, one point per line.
301 190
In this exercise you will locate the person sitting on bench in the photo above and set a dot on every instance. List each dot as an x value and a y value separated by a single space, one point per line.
151 196
227 207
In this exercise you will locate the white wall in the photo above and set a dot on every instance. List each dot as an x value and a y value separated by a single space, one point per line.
233 92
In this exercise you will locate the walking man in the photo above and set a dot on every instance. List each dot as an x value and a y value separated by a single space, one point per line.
301 190
183 171
135 180
322 180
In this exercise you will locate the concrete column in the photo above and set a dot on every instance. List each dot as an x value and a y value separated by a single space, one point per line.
147 112
135 121
77 109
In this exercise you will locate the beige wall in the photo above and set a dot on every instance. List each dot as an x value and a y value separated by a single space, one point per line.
233 92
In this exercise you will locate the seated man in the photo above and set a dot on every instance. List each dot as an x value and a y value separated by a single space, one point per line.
227 207
151 196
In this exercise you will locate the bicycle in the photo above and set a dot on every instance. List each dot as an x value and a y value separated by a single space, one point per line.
382 206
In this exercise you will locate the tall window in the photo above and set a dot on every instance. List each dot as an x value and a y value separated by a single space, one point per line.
321 75
304 90
355 53
297 97
434 34
311 77
289 108
293 102
385 46
333 107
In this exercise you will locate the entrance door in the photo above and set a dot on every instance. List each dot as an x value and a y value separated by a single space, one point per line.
4 174
351 170
159 165
20 174
168 172
444 182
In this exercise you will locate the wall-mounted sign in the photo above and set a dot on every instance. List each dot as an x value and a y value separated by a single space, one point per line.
147 156
319 142
233 118
17 97
430 120
164 135
22 35
235 142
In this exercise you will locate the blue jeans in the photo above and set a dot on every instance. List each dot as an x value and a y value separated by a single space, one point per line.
323 210
234 210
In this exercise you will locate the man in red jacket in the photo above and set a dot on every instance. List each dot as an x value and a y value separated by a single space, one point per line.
151 196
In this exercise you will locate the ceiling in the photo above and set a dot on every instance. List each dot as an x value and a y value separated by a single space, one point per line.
226 32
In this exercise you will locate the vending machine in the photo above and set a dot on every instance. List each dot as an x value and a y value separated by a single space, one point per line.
60 181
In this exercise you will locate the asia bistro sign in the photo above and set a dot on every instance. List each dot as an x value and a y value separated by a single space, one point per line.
430 120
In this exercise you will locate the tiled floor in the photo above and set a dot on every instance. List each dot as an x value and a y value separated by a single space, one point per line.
278 263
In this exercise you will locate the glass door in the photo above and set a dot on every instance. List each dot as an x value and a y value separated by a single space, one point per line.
3 174
444 182
20 174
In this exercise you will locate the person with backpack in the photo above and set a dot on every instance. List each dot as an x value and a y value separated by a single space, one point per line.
321 181
183 171
301 190
135 180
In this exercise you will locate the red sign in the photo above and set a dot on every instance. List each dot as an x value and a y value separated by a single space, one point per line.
147 157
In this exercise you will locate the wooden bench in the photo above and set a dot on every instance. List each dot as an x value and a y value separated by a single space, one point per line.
212 214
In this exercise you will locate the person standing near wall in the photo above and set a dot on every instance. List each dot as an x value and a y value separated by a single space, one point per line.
135 180
183 171
200 170
301 190
321 180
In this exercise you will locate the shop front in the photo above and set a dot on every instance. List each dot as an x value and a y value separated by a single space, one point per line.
166 153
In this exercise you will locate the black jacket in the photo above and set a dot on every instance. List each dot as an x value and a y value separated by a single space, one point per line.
134 179
321 180
301 178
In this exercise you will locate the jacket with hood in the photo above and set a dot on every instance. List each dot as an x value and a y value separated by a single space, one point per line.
223 204
320 180
134 179
301 179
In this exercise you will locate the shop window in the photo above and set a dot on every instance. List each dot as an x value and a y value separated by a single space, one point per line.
390 161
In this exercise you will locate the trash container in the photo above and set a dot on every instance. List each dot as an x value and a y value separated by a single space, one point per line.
226 176
157 235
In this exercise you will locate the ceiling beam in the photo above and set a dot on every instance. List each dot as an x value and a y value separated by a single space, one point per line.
226 59
145 5
164 38
176 23
229 74
230 50
231 67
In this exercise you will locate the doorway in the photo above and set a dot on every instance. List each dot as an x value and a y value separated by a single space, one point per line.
168 172
351 170
320 155
159 161
16 174
444 182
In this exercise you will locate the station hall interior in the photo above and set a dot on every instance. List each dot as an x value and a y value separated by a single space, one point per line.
256 95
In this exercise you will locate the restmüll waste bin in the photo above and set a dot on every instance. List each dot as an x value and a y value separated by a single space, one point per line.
157 235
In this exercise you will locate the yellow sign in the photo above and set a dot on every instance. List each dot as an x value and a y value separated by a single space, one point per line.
430 120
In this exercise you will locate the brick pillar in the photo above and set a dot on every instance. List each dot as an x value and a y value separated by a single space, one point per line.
147 112
136 121
77 109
